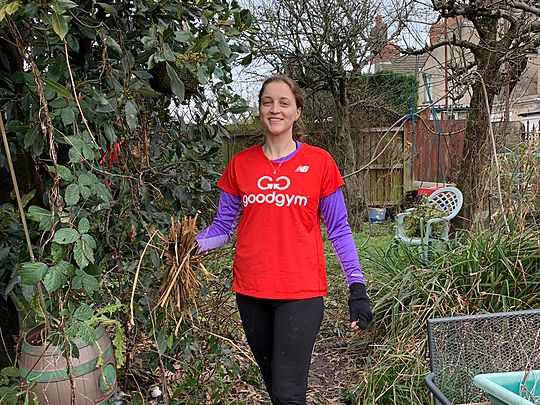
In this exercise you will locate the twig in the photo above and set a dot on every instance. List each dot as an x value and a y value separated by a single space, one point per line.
248 356
161 364
16 187
131 309
76 95
23 219
5 346
55 200
494 145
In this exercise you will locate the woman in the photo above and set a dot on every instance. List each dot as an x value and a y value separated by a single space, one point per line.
278 192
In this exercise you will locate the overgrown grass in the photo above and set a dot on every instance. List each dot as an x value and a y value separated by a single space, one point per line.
482 271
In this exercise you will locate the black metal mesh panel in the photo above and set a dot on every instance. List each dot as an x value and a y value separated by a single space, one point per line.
462 347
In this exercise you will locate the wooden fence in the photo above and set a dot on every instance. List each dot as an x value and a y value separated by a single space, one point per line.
531 135
435 150
391 162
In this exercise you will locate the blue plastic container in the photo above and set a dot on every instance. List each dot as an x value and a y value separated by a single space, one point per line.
512 388
376 215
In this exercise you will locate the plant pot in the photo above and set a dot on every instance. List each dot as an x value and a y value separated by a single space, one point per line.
46 367
512 388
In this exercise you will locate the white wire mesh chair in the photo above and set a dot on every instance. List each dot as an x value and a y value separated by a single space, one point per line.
462 347
450 201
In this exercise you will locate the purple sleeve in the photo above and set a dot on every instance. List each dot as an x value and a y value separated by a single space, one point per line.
222 227
334 215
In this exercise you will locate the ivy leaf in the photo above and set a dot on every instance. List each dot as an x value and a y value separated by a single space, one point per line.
84 225
72 330
72 195
83 313
177 86
90 283
57 88
83 251
65 173
67 268
90 241
31 137
38 214
58 252
68 116
54 279
32 273
131 114
16 126
34 139
102 191
87 333
75 152
65 236
79 255
60 25
86 179
85 191
87 152
76 283
10 372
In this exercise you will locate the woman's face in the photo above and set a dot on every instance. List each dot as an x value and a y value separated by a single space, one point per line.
278 109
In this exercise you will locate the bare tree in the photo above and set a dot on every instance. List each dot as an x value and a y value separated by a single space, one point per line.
325 45
506 33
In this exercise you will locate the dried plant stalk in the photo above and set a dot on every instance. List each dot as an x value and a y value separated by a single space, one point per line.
180 283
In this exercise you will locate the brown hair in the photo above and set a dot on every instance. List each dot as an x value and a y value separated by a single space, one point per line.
299 97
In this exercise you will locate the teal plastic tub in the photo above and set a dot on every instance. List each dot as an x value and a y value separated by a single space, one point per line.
513 388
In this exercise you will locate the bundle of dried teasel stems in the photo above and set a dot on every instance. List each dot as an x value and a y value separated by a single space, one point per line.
180 283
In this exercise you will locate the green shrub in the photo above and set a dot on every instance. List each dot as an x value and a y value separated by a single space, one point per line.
415 223
483 271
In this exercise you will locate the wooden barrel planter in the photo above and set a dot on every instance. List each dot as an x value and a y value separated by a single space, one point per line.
46 368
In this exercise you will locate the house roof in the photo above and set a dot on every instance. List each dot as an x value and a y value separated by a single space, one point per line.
406 64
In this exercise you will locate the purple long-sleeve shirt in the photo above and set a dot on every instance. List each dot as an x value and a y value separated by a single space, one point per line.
333 213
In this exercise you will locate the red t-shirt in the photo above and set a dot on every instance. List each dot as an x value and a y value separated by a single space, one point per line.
279 251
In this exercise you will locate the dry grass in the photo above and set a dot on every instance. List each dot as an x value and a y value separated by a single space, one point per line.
180 282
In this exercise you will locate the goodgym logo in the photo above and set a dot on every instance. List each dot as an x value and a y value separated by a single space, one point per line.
281 183
268 183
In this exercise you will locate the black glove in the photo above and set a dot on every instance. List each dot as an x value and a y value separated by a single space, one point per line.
359 305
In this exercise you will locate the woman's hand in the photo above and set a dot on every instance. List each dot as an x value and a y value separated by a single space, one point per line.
359 307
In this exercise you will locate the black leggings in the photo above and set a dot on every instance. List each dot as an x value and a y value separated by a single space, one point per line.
281 335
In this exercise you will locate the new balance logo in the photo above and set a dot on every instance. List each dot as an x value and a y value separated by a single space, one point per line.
302 169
